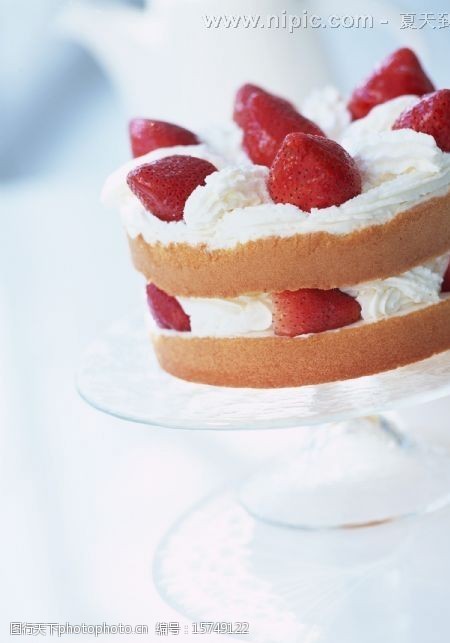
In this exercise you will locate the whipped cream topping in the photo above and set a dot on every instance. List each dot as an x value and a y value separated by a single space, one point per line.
234 188
226 141
252 314
400 168
379 119
386 158
328 109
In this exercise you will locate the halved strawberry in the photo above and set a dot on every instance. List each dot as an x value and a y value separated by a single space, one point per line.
147 135
166 310
266 120
312 311
313 172
164 186
399 74
431 115
446 282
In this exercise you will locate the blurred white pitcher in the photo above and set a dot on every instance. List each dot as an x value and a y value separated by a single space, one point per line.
168 63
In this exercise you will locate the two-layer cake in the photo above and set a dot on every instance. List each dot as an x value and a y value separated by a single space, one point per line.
296 247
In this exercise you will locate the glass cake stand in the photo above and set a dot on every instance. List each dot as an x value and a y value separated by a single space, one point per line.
356 469
282 551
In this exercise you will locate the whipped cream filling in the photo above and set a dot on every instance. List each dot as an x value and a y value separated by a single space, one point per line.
399 168
420 286
228 317
251 315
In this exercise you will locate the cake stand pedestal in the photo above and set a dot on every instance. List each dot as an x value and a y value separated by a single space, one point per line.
357 473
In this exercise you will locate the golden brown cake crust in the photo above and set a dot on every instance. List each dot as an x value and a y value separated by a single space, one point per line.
272 362
316 260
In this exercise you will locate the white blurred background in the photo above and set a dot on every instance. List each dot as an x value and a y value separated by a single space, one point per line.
85 498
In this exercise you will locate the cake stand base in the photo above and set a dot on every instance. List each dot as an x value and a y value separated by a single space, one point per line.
218 564
352 474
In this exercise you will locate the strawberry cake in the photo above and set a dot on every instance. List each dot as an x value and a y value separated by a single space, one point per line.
299 244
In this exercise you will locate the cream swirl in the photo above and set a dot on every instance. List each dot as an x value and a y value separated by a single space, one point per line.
233 188
402 293
226 141
386 155
380 118
328 109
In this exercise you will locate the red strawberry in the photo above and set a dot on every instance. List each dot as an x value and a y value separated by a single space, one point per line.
147 135
446 282
240 102
242 98
313 172
166 310
164 186
266 120
431 116
399 74
312 311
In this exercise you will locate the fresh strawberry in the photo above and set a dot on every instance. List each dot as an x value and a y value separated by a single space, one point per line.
166 310
399 74
266 120
147 135
312 311
446 282
313 172
431 115
163 186
242 99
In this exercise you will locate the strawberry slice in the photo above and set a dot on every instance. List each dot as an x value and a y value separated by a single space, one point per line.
164 186
399 74
312 311
313 172
166 310
266 120
431 115
147 135
446 281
